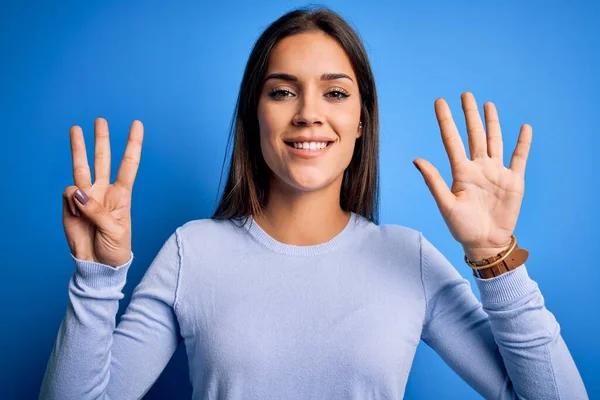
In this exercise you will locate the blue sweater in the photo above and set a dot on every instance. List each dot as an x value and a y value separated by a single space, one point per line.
261 319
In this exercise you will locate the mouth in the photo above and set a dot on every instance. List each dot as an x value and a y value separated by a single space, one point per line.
309 145
309 149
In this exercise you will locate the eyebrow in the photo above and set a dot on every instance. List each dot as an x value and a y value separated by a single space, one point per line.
292 78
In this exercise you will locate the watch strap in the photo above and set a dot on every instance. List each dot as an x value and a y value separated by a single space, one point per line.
516 258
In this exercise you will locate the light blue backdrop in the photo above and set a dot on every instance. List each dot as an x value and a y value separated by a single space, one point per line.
178 68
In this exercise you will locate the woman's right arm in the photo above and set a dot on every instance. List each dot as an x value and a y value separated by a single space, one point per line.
92 359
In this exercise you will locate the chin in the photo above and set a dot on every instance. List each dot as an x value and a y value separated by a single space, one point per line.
309 182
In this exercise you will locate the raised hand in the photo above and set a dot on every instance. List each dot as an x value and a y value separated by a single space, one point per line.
97 217
482 208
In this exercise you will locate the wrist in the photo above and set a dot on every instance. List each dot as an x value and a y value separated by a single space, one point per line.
479 253
84 256
504 259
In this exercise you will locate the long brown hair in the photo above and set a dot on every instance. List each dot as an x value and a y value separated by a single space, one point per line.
247 185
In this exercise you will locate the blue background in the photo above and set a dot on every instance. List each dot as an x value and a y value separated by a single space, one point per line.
178 68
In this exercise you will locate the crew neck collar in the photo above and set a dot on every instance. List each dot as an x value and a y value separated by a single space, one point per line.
266 240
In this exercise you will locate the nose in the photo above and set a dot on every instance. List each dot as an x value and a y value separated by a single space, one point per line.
309 111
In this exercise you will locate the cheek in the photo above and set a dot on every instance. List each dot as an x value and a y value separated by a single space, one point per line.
347 122
269 127
272 121
346 127
346 151
268 149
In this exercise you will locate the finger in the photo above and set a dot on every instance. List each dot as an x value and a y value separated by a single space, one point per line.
519 156
95 212
68 200
494 133
131 159
450 137
475 131
81 170
101 152
437 186
67 208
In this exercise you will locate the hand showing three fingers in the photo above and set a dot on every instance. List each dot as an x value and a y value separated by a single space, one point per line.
101 231
482 207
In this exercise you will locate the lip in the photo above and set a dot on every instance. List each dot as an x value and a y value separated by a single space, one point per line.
309 154
304 138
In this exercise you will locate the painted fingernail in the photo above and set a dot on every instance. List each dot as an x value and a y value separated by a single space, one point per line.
81 196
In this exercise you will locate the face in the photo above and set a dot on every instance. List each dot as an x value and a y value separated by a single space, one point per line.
309 99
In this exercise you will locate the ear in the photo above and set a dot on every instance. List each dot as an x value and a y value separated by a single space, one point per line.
360 130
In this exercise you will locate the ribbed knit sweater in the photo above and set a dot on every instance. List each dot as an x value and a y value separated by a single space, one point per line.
261 319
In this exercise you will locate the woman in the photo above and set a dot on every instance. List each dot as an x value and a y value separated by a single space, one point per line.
292 290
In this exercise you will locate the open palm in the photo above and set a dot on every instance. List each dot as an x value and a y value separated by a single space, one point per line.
103 232
482 207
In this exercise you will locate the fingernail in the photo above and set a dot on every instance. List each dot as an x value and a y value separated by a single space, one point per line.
81 196
415 164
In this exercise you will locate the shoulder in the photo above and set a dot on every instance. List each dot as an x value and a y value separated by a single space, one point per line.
203 224
207 237
399 232
207 229
398 235
393 239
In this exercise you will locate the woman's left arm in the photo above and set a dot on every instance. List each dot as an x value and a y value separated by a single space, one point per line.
481 211
508 346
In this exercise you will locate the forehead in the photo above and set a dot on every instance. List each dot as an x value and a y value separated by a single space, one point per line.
309 54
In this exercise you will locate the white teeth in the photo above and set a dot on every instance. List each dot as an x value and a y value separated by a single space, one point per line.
310 145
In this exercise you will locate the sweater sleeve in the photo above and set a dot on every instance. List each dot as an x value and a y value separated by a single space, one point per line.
508 346
91 359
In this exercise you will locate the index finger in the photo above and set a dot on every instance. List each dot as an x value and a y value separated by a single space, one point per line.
81 170
450 136
131 160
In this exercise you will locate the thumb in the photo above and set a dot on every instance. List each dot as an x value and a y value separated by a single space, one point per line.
94 211
436 184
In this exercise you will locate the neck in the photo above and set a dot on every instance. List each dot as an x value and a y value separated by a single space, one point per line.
303 218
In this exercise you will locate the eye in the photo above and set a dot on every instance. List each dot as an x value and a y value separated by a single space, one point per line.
337 94
280 94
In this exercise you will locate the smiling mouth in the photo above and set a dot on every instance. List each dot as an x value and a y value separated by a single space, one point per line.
309 145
